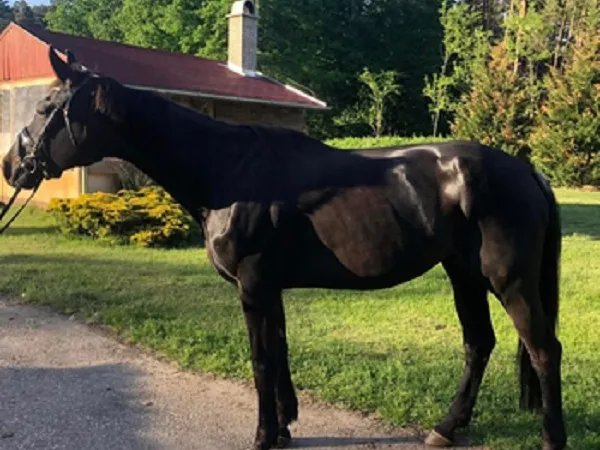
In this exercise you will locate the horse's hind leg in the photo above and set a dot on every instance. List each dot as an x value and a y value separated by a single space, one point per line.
470 297
522 302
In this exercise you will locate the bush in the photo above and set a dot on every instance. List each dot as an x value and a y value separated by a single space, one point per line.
148 217
384 141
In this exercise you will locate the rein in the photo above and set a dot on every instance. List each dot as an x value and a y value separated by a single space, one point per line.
10 203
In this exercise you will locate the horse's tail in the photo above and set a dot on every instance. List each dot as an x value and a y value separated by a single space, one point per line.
531 396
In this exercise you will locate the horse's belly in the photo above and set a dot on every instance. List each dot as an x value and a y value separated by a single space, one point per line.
323 269
355 253
373 235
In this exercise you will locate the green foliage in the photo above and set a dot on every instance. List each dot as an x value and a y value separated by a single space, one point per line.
187 26
92 18
22 13
384 141
535 92
324 44
500 107
148 217
496 110
6 14
566 142
378 87
466 45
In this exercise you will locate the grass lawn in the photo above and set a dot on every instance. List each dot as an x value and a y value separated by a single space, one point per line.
397 351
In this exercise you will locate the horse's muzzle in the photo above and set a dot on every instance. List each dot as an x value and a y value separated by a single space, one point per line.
16 173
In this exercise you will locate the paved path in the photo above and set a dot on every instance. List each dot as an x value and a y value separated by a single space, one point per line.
67 386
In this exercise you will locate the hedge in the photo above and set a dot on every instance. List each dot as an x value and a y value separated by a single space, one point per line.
148 217
385 141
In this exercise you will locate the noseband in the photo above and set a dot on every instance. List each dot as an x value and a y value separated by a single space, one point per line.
36 160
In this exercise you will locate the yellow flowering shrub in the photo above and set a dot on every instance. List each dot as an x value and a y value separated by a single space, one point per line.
148 217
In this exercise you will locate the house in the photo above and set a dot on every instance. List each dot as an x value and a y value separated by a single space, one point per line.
232 90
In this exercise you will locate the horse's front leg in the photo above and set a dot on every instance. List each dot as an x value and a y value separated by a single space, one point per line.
261 314
287 402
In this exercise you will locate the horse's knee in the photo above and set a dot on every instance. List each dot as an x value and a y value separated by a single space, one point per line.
481 347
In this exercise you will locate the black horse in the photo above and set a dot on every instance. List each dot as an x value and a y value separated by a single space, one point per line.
282 210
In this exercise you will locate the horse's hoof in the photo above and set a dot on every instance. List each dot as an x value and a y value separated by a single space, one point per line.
549 446
284 438
260 446
265 443
435 439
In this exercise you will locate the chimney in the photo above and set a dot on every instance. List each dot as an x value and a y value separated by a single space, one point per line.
243 37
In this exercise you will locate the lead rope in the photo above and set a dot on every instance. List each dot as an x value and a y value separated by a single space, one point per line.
10 203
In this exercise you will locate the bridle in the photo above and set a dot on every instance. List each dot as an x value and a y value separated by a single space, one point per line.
37 161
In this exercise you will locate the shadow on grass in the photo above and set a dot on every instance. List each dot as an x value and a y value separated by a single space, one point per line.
519 430
581 219
26 231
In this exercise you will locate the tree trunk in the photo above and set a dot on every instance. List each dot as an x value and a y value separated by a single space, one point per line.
559 39
510 13
522 14
438 111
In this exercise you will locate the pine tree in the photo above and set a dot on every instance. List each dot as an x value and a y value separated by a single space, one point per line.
495 111
566 142
502 104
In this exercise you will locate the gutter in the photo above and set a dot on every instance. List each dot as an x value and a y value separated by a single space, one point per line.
322 105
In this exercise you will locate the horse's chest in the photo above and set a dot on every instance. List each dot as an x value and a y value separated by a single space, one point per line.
231 235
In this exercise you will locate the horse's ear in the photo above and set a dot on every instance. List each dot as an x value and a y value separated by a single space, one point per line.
71 70
62 70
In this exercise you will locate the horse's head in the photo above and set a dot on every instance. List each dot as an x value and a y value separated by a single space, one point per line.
72 126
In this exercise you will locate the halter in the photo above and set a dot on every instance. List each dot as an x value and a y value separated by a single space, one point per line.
36 159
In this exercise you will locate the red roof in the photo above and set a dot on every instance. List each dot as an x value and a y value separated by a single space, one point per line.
23 56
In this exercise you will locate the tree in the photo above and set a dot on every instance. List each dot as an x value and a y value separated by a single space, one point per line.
502 103
379 86
566 141
24 15
6 14
465 44
91 18
187 26
494 112
323 44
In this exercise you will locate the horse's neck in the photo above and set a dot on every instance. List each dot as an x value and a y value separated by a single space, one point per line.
185 152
